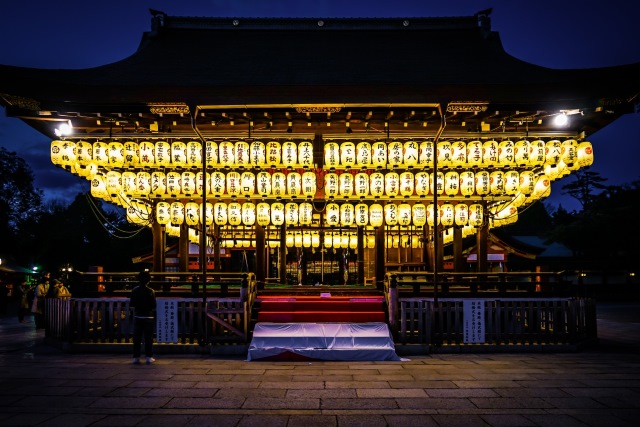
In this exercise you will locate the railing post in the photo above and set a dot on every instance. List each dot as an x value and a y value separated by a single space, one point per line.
393 303
244 288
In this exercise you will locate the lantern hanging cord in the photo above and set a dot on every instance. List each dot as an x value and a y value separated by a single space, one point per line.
102 219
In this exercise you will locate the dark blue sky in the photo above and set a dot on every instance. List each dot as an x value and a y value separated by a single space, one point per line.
554 34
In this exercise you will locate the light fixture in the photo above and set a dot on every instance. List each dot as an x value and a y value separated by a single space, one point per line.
64 129
561 120
290 127
349 130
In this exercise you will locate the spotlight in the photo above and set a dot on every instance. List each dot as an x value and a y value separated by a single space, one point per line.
561 120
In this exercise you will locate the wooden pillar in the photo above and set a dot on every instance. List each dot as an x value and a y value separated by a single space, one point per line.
283 254
216 249
261 271
183 248
427 255
379 257
481 244
458 260
360 255
439 250
158 247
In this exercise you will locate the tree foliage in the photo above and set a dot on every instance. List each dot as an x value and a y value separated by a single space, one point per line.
583 186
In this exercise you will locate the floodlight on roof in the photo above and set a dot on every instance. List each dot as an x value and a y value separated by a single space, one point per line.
64 129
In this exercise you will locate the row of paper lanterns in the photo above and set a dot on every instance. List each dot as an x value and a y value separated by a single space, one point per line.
304 185
345 154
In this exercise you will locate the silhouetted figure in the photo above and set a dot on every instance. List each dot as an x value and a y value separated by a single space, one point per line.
143 302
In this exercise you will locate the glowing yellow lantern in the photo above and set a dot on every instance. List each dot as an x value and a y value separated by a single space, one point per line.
291 214
188 181
220 216
331 155
419 214
294 184
257 153
176 213
138 213
309 186
178 154
459 153
585 154
361 185
191 213
248 213
379 154
406 181
347 154
289 240
115 151
346 214
84 152
162 213
328 240
506 153
467 183
483 183
277 214
56 152
447 214
511 182
336 240
361 214
490 153
174 185
537 150
522 150
289 154
543 183
162 153
315 240
143 184
217 187
519 200
305 214
208 213
390 214
306 240
241 153
422 183
426 154
474 153
569 153
496 180
439 181
226 155
411 151
234 212
371 241
395 154
332 214
527 182
129 183
263 180
476 215
353 241
445 154
391 184
247 184
376 215
461 214
552 171
451 183
433 215
233 183
345 184
158 184
193 154
404 214
553 152
101 154
99 187
363 154
331 185
274 153
263 214
131 154
305 154
211 153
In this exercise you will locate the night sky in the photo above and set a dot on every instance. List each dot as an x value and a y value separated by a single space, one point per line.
554 34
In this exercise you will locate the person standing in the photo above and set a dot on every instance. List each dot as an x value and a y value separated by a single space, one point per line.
60 291
143 302
38 302
23 300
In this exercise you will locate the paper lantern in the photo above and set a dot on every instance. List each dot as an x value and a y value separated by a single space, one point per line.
527 182
363 154
234 213
371 241
138 213
395 155
328 240
496 180
263 214
361 214
537 150
289 240
211 153
347 154
444 154
483 183
226 155
200 183
467 183
84 153
391 184
101 154
176 213
332 214
346 215
345 184
391 214
158 184
405 182
426 154
447 214
208 213
305 154
218 184
263 181
569 153
353 241
459 153
511 182
129 183
404 214
193 154
174 184
289 154
543 183
291 214
191 213
451 183
274 153
99 187
376 215
379 154
115 151
461 214
422 183
439 183
188 181
305 214
277 214
162 213
506 153
131 154
490 153
57 149
419 214
376 184
248 214
278 184
241 154
331 155
309 186
361 185
585 154
553 152
257 153
178 154
552 171
247 184
331 185
522 150
433 215
143 184
220 216
294 184
476 215
411 151
162 153
474 153
306 240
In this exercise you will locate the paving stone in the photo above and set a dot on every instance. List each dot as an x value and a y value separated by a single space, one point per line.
507 420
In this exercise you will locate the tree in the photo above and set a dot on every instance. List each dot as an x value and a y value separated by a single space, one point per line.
583 186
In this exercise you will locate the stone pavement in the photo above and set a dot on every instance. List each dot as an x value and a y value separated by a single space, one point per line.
40 385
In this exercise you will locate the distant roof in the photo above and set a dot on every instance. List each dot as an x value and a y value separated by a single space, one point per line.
549 250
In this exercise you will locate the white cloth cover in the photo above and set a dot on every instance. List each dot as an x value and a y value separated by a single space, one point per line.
323 341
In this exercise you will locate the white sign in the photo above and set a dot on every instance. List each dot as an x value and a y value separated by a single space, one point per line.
473 311
167 321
